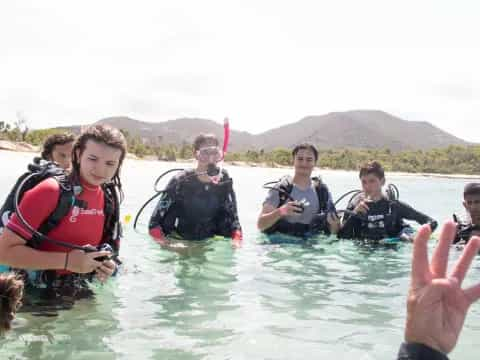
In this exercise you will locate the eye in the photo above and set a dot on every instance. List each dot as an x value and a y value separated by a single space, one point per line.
111 163
92 158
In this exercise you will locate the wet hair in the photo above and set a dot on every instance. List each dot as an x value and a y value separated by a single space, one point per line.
102 134
471 189
202 139
54 140
11 293
305 146
372 167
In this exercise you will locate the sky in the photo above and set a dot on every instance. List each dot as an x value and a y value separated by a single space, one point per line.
262 63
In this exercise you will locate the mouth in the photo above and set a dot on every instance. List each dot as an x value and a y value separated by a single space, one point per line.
97 178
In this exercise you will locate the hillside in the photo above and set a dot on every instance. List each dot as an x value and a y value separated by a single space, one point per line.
370 129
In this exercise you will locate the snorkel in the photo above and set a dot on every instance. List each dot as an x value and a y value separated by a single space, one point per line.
214 170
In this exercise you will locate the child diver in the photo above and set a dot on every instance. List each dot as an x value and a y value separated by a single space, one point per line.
198 203
301 206
471 202
374 216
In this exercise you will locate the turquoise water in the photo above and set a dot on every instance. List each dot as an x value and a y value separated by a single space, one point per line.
289 301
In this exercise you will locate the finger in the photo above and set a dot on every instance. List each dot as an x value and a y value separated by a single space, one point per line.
96 264
463 264
472 293
420 269
105 270
96 254
439 261
110 264
101 277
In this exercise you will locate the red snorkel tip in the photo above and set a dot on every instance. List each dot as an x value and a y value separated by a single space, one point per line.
226 135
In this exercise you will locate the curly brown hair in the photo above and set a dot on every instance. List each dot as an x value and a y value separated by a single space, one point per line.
11 294
54 140
107 135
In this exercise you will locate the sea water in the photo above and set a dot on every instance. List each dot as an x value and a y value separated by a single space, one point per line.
315 300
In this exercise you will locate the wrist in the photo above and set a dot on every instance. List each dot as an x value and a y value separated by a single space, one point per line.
425 341
237 235
282 211
419 350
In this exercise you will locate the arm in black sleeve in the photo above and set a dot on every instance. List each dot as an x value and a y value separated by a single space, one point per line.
405 211
351 224
231 213
165 203
349 227
414 351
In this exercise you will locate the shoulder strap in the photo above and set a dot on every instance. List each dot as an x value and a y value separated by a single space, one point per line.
285 184
322 193
112 230
65 202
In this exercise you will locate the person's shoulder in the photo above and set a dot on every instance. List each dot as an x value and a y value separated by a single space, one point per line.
48 186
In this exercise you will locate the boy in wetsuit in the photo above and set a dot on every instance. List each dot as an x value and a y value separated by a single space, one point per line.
58 148
471 202
198 204
299 206
371 215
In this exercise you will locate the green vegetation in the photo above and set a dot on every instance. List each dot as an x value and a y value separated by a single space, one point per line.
450 160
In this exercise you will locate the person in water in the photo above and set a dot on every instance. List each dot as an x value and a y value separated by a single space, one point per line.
299 206
70 254
58 148
437 305
372 215
471 202
11 293
198 203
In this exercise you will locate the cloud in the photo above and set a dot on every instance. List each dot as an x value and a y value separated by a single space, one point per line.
264 63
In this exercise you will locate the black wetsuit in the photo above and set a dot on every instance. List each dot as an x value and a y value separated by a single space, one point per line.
195 210
465 231
412 351
384 219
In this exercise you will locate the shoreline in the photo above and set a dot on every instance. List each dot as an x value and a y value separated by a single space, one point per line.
9 146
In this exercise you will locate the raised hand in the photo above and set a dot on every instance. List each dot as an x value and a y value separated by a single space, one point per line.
437 305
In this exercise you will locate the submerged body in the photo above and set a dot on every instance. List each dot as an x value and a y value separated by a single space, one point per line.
193 209
383 219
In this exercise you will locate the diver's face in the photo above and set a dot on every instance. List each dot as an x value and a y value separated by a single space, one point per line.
208 153
372 185
304 162
98 162
62 155
472 205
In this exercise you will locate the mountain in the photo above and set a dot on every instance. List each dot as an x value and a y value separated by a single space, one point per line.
177 131
350 129
360 129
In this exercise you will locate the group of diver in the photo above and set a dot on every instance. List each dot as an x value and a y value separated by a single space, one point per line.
194 206
60 225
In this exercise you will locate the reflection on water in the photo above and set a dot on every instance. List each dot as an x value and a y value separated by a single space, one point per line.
281 299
